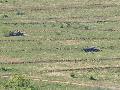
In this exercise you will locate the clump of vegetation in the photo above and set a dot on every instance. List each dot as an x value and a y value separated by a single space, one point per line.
92 78
20 13
53 25
6 69
86 27
73 75
19 82
58 33
68 24
5 16
62 26
44 25
3 1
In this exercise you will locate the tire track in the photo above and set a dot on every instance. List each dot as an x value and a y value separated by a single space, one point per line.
99 85
87 38
59 61
81 69
56 39
19 40
116 87
73 19
56 21
83 30
59 7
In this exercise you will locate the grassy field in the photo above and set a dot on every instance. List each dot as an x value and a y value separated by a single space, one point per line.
51 54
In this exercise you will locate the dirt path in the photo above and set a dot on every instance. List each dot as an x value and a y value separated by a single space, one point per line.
81 69
77 69
92 85
83 84
103 85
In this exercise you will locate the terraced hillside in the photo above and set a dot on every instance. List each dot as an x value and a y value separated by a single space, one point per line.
51 54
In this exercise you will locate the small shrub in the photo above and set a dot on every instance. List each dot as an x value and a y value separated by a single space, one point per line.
61 26
6 0
92 78
19 82
86 28
57 33
3 1
44 25
73 75
53 25
20 13
68 24
6 69
5 16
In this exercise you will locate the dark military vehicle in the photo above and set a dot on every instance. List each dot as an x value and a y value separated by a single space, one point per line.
15 33
91 49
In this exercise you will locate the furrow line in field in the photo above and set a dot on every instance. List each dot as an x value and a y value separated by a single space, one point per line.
59 61
32 22
56 39
104 85
81 69
99 18
59 7
84 84
19 40
87 38
95 19
83 30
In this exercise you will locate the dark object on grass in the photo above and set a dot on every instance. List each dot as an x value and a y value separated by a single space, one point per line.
91 49
5 16
73 75
15 33
6 1
20 13
92 78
